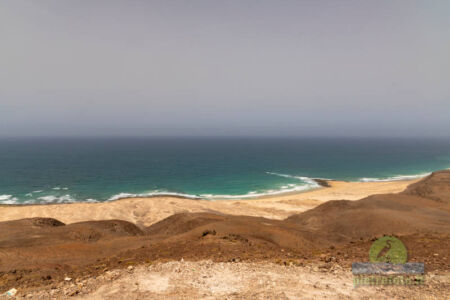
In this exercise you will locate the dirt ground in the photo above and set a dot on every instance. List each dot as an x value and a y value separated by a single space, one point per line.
214 280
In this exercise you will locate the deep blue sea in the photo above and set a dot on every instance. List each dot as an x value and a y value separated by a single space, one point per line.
57 170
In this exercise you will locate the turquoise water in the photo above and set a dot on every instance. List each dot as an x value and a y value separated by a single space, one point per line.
89 169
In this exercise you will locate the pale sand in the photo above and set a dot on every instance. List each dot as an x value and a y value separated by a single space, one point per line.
212 280
146 211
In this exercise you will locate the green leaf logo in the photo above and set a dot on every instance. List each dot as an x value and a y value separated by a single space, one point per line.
388 249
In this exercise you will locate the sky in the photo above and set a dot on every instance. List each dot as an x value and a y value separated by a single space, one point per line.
225 68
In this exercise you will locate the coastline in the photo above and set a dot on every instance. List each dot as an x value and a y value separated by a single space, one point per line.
100 195
145 211
166 239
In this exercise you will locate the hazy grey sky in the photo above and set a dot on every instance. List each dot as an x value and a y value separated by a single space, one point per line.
376 68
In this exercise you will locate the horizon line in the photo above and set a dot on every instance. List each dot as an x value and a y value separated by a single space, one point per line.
220 136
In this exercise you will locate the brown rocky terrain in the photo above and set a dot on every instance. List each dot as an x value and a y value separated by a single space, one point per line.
38 253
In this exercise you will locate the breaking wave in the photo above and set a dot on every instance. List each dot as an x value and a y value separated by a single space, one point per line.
306 183
394 178
151 194
7 199
48 199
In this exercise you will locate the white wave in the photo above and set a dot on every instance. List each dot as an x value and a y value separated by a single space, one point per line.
393 178
151 194
122 196
60 188
33 192
8 199
281 175
253 194
48 198
311 182
56 199
91 200
65 199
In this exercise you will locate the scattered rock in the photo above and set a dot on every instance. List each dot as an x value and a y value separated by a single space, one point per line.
11 292
206 232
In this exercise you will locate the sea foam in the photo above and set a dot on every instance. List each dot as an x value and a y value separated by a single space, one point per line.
393 178
5 197
151 194
57 199
308 183
8 199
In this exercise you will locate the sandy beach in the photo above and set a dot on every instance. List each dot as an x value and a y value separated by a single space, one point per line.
146 211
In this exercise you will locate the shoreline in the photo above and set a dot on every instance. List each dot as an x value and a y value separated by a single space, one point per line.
321 183
315 183
145 211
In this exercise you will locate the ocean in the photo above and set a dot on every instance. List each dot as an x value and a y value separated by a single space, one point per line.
63 170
